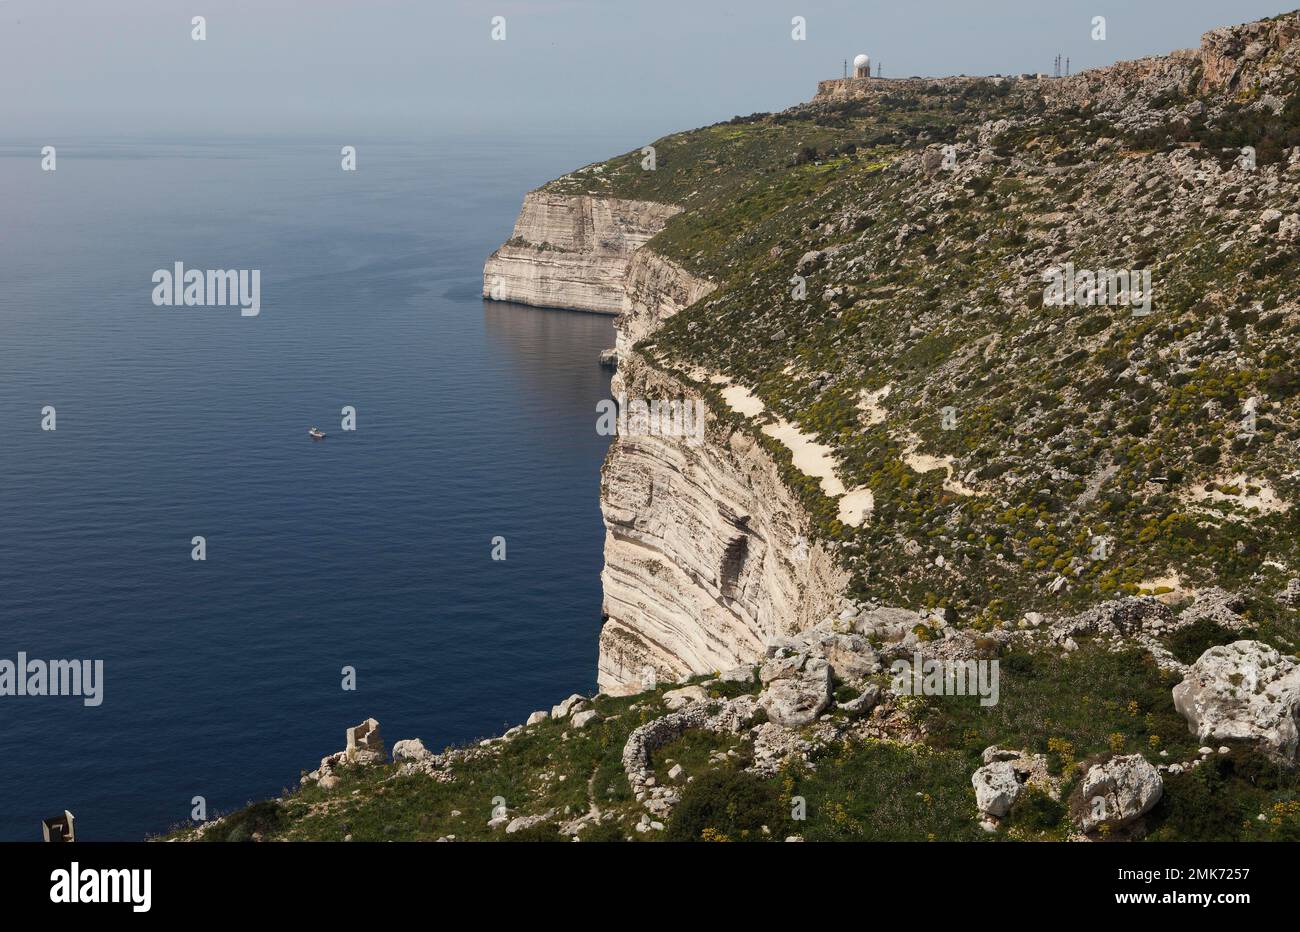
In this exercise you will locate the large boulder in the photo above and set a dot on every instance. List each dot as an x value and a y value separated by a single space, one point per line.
1244 690
584 718
526 822
997 786
573 704
931 160
810 260
799 696
676 699
1005 775
410 749
780 667
886 623
850 656
1117 792
742 674
865 701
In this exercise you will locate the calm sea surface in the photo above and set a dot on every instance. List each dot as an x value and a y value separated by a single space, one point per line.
369 549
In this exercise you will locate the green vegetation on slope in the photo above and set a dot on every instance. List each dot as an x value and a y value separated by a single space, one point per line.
1072 423
1070 708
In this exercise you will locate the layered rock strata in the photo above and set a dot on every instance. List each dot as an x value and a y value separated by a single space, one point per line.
707 553
706 550
572 251
654 290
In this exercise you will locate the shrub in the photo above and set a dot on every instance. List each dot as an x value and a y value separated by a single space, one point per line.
241 825
1283 383
1019 664
1035 811
730 803
545 831
1218 800
1189 643
1206 455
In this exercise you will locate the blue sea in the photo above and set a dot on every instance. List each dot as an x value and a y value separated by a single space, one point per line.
371 549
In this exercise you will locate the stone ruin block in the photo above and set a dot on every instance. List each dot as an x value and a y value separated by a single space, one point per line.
365 743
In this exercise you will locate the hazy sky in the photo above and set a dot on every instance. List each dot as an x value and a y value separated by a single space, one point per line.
417 67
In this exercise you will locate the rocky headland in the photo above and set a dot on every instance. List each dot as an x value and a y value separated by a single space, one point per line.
919 469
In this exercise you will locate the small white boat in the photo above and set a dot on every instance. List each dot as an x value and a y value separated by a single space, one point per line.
317 433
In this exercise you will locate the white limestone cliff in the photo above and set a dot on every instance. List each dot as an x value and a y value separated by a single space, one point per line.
654 289
572 251
706 550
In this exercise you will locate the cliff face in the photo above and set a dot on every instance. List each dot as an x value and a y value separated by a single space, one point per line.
654 290
1264 53
572 251
706 553
934 404
1097 493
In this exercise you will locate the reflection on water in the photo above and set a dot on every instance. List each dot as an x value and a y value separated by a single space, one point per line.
548 345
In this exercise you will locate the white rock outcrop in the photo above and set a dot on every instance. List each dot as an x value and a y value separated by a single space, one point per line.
572 251
574 703
526 822
795 697
677 699
1006 774
1117 792
410 749
706 553
1244 690
997 786
583 719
